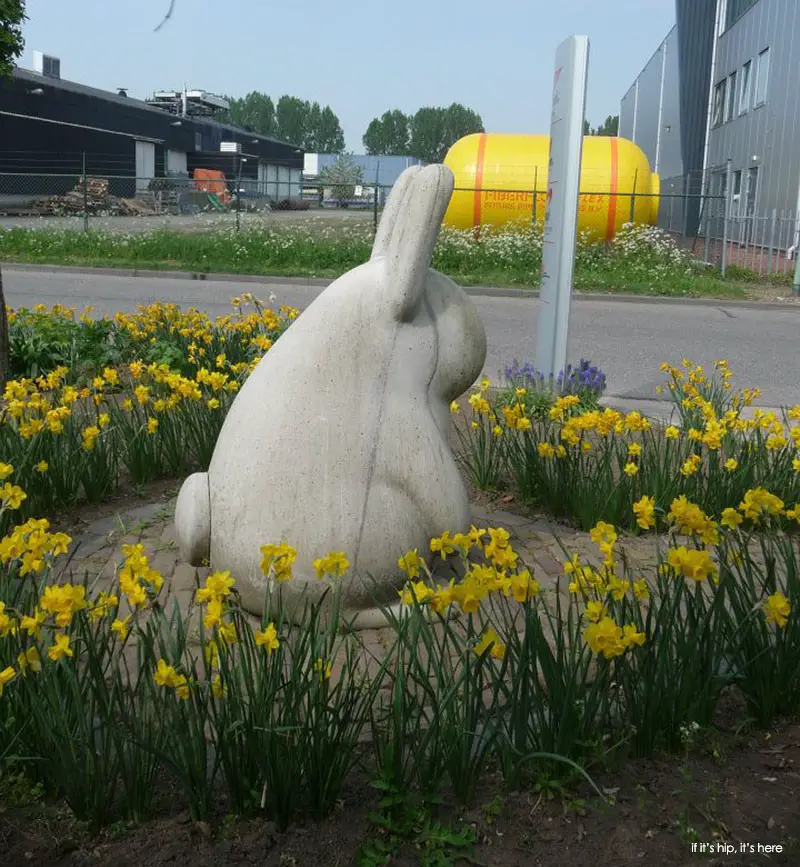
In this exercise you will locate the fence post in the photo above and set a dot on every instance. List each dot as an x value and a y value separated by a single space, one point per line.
705 213
239 194
726 215
772 227
535 191
685 204
796 283
85 196
633 196
669 215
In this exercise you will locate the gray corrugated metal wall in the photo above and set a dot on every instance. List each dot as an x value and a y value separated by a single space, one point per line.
670 157
767 136
650 116
695 21
648 102
627 114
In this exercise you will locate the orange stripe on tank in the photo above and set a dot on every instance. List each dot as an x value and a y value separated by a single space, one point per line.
612 199
476 214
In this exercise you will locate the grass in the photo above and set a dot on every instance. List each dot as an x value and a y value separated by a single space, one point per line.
641 260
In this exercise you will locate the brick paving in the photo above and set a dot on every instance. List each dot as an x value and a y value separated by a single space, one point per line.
97 553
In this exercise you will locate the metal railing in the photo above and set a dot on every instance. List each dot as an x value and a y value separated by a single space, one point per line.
719 229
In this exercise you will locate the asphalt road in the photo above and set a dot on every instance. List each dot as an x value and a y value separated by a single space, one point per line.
627 339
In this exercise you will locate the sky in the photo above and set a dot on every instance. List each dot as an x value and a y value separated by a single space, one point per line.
362 57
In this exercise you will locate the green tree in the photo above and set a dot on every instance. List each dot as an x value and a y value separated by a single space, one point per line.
12 14
313 120
254 112
294 120
610 126
435 130
458 122
291 115
427 140
387 134
308 125
329 133
341 178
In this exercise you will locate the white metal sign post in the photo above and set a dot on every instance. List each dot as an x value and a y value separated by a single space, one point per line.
561 211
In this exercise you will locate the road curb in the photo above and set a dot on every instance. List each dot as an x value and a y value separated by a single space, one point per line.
321 282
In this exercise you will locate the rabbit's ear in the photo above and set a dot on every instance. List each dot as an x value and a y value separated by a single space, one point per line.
414 235
394 204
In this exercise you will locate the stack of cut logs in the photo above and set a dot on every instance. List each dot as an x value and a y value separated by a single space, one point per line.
97 201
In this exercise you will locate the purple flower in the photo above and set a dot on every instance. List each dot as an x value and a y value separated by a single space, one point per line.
585 380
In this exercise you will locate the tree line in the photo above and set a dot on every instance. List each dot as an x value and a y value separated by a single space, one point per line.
306 124
427 134
610 126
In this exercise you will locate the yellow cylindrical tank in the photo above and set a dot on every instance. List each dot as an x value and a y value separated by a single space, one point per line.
502 179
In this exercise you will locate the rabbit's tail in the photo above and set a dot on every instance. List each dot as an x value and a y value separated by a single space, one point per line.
193 519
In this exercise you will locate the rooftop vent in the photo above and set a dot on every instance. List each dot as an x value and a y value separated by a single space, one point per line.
46 65
189 102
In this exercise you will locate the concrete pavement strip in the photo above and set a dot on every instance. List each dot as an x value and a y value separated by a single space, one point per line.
480 291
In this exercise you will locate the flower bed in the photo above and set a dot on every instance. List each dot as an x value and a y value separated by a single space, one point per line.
147 402
107 694
589 464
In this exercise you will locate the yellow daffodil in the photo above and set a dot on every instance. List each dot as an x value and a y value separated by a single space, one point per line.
268 639
335 563
60 647
644 509
490 639
6 676
778 609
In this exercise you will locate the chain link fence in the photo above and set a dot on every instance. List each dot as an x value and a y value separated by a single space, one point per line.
721 227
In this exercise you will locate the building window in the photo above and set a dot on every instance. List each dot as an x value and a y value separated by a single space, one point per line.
744 88
723 17
762 77
731 11
752 190
730 108
719 103
722 183
737 190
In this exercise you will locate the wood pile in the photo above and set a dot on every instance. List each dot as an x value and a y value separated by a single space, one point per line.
98 202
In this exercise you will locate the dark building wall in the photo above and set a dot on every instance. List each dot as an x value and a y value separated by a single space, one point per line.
227 163
696 20
47 134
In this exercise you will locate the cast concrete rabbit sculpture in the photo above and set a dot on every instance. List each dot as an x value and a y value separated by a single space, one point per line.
338 440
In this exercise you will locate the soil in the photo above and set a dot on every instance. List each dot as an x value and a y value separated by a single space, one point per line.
773 292
734 790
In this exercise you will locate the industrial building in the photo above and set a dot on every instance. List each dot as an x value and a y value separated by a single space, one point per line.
717 111
380 170
54 129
